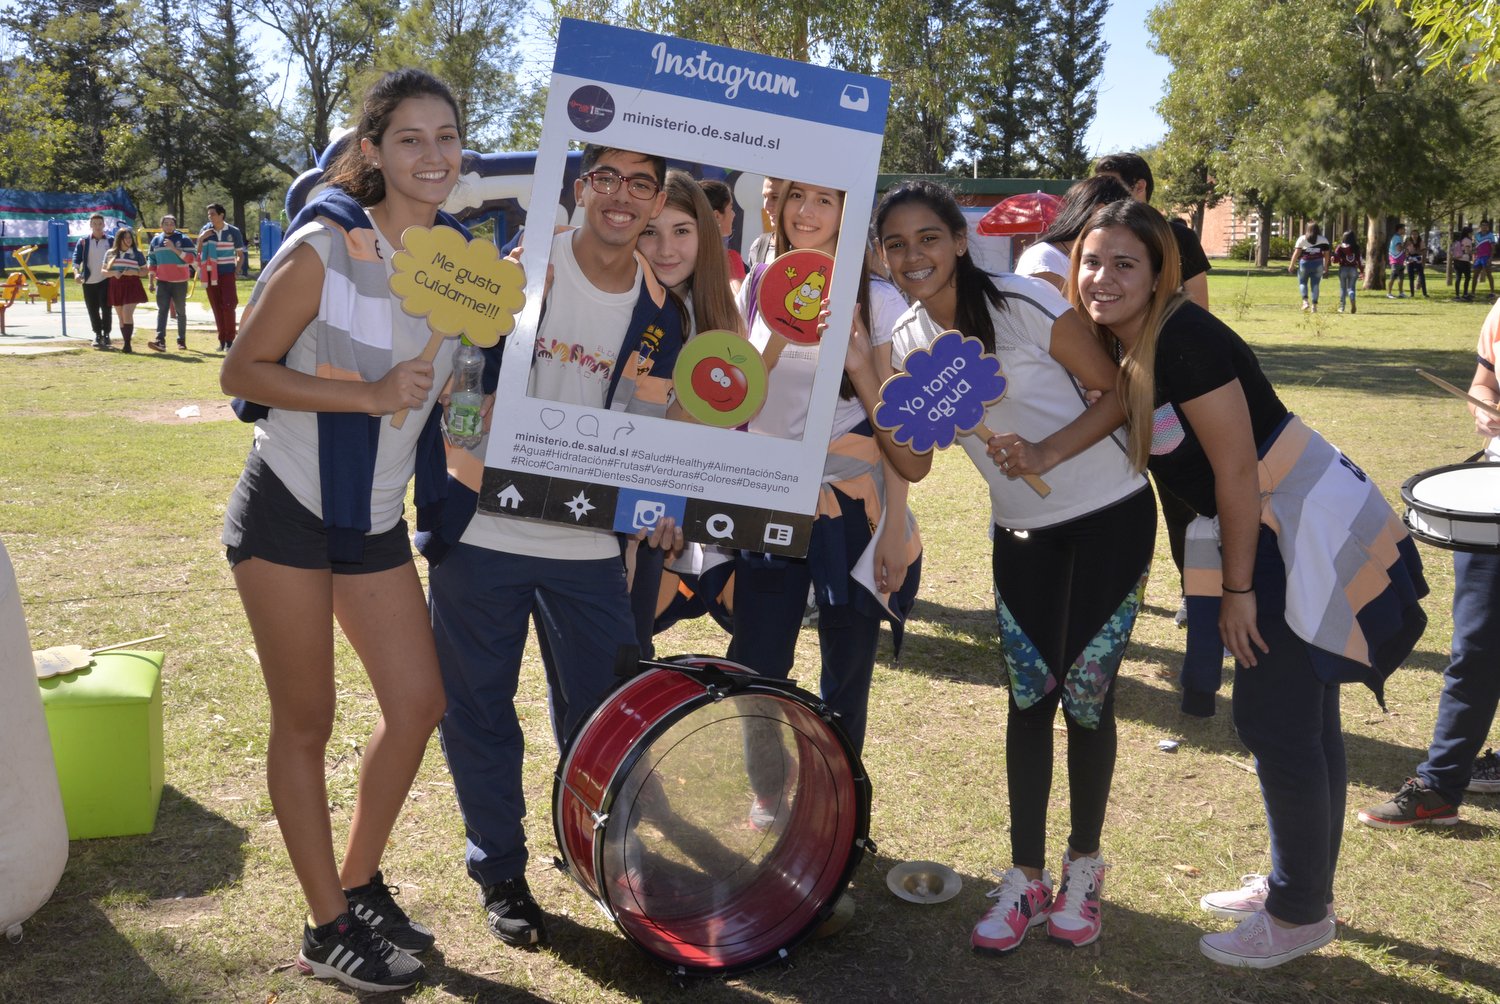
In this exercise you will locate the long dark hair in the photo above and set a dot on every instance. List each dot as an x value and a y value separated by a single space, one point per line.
1079 203
352 170
976 289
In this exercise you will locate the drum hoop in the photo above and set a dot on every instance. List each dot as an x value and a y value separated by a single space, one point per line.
863 795
1465 515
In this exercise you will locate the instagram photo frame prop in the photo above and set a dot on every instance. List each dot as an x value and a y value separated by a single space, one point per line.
684 100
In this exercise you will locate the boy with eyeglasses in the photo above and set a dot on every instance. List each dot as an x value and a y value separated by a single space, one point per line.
609 338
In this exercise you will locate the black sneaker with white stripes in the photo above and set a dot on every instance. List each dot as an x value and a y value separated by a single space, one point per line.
372 903
348 951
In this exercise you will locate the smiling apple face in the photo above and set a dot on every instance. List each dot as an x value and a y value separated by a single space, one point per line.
720 383
720 379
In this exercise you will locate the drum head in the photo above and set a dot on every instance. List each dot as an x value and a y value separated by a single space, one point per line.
731 830
1456 507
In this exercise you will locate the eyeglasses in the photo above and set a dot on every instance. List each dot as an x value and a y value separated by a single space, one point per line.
607 182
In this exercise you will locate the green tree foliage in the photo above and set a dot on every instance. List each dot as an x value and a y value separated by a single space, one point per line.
33 119
225 84
68 58
1071 50
1002 100
332 41
469 44
1460 35
1346 121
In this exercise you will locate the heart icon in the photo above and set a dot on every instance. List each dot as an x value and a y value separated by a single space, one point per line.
552 417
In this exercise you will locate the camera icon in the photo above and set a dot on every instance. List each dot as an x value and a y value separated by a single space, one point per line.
647 513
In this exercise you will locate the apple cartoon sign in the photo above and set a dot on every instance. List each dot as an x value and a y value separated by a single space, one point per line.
720 379
791 295
942 395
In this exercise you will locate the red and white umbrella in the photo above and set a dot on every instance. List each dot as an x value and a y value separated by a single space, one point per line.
1027 213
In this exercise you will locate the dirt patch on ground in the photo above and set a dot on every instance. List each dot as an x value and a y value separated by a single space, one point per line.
167 412
182 911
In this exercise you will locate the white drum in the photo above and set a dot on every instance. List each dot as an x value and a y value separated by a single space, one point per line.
1456 507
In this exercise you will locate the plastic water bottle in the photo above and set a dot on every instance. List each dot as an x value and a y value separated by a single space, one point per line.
462 419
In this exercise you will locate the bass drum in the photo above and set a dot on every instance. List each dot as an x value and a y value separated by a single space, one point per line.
1456 507
713 814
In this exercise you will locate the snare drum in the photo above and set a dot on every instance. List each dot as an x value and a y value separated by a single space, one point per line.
1457 507
713 814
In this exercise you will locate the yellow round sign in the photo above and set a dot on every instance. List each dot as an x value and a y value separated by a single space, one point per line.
462 287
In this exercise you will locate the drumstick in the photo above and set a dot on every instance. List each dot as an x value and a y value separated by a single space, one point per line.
1037 484
427 356
1483 406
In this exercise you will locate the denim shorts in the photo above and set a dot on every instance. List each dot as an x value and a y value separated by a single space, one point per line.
264 520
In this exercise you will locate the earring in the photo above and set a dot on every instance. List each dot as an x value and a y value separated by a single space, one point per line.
962 251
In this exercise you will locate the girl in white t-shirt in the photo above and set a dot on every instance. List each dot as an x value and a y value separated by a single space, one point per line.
1069 569
769 592
295 529
1047 258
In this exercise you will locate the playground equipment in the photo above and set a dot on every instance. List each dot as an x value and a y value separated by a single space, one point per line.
48 291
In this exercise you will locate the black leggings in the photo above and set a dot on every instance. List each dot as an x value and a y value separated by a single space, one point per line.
1062 585
1463 279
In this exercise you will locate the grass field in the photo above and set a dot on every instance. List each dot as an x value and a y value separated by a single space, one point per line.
111 506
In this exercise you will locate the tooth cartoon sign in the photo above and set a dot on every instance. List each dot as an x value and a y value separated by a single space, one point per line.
462 287
791 294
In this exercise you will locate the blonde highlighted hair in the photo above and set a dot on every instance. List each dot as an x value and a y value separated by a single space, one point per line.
1137 380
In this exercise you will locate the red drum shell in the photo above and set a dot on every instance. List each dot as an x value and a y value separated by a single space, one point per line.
651 808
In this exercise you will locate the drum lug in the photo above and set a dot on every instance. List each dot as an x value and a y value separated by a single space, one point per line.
600 818
560 864
867 845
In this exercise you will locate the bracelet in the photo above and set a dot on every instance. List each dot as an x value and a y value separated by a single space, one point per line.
1237 592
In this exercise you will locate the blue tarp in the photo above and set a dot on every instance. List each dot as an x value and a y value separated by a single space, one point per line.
24 215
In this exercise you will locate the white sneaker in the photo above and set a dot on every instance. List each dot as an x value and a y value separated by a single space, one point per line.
1261 943
1247 900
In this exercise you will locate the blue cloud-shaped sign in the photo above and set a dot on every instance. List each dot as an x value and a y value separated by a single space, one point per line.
943 393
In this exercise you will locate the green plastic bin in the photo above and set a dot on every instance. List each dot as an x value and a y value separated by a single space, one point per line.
105 724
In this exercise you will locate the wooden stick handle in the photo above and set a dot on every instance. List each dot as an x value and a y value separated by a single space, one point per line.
126 644
428 355
1483 406
1037 484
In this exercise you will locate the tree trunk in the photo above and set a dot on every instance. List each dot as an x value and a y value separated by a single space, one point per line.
1374 253
1263 239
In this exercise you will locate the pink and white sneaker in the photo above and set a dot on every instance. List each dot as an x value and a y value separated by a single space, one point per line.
1020 904
1237 904
1260 943
1074 919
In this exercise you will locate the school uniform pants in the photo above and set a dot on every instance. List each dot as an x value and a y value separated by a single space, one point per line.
96 301
482 602
1289 719
167 294
224 298
1471 683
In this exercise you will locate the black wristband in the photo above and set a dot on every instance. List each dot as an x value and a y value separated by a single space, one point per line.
1237 592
